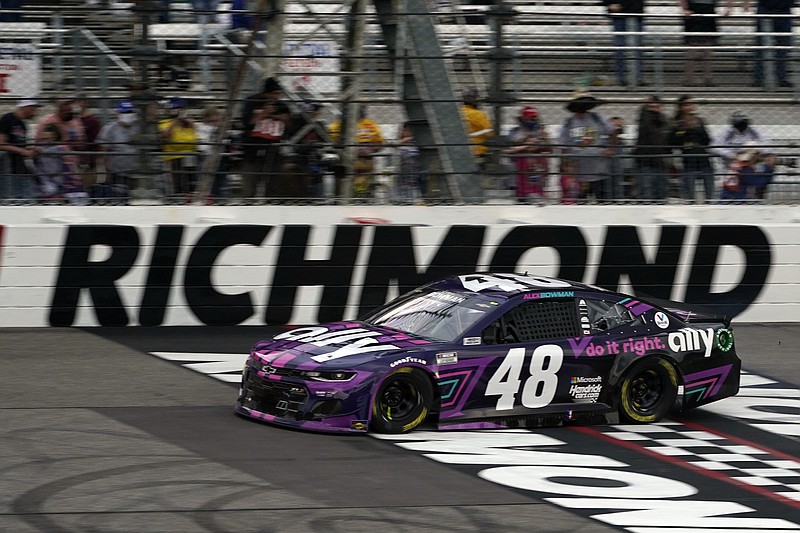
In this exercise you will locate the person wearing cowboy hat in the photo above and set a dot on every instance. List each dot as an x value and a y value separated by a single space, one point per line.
585 141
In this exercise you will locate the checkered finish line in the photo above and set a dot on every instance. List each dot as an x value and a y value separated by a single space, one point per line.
744 463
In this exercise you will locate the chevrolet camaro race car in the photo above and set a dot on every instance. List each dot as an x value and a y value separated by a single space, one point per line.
493 351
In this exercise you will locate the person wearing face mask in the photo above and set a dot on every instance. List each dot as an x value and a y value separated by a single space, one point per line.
67 117
729 141
121 156
530 142
57 180
179 135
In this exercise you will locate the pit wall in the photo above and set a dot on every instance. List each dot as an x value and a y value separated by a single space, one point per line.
168 266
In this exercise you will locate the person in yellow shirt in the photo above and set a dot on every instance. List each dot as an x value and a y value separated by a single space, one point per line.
369 139
179 136
478 124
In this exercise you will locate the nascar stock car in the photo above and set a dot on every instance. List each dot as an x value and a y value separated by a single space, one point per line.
493 351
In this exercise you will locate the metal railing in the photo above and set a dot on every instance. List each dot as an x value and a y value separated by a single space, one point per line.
76 60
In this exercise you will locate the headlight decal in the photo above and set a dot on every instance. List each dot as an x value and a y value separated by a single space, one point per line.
330 376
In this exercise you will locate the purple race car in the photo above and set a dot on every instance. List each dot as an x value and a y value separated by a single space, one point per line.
493 351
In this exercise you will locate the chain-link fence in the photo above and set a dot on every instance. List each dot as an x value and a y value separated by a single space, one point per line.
415 102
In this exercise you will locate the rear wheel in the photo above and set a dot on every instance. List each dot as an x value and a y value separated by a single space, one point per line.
648 391
403 401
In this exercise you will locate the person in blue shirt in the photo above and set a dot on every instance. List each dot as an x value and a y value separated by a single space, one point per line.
163 14
776 24
627 16
240 16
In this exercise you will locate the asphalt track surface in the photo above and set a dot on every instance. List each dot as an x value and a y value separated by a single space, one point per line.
96 434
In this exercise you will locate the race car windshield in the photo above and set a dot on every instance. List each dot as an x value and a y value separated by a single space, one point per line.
440 315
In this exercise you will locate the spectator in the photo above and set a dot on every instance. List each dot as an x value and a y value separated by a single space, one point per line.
779 20
121 158
410 176
617 166
530 142
19 182
748 175
570 187
307 129
55 177
11 10
729 141
48 164
698 19
164 13
478 125
241 21
627 16
67 118
585 142
205 10
179 136
265 119
369 141
91 127
206 131
651 150
690 137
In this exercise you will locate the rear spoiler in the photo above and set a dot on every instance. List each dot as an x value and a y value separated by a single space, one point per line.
692 313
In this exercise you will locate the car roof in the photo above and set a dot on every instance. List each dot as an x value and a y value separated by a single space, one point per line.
508 284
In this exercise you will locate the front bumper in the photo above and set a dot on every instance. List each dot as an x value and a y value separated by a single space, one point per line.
301 405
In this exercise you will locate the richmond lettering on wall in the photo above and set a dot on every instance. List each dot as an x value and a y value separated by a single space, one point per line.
389 259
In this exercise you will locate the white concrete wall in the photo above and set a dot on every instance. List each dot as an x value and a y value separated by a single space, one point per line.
155 256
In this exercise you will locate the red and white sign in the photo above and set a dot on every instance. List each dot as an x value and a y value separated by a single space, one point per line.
20 70
310 67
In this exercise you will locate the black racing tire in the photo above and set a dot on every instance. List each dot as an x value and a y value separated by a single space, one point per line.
648 391
403 401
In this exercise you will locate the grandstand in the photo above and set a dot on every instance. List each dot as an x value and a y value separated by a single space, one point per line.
557 45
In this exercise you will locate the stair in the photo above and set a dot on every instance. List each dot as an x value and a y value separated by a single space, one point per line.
428 97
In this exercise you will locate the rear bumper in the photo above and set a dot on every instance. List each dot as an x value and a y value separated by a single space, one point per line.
719 380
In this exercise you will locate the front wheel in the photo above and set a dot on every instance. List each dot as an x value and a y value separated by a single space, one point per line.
648 391
403 401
